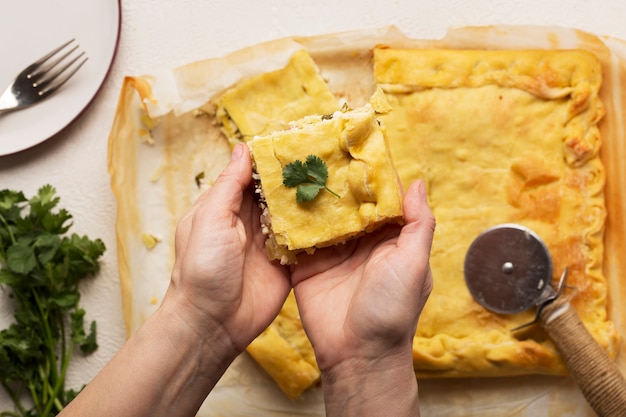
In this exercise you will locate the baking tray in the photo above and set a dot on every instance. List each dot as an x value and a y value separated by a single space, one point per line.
147 204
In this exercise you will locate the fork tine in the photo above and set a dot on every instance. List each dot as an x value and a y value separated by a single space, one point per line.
51 71
42 78
46 57
44 71
45 67
47 87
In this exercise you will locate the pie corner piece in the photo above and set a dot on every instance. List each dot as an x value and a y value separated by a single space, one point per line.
537 111
269 101
285 353
363 190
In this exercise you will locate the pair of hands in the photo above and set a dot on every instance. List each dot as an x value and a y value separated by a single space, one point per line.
358 300
359 304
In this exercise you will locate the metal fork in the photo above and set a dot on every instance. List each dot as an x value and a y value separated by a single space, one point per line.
42 78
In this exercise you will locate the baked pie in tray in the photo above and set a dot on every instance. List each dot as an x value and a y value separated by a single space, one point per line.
500 137
504 124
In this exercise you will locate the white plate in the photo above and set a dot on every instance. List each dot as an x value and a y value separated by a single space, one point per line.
29 30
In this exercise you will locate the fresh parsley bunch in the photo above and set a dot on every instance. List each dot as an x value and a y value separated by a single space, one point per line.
42 267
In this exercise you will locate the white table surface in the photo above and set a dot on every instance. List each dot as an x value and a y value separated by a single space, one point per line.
168 33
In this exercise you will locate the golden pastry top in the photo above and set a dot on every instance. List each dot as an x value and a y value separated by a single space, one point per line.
354 147
573 76
542 73
269 101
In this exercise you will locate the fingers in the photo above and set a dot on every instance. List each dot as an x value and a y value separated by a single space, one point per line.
222 201
414 243
227 192
415 204
417 234
324 259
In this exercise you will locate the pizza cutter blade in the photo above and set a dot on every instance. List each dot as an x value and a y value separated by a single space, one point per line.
508 269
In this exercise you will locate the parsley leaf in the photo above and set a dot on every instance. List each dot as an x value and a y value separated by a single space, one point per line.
295 174
310 177
307 192
41 267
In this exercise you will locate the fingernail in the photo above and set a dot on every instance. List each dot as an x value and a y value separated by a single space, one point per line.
421 188
237 152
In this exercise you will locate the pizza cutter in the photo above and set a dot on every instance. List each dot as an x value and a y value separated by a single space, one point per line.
508 269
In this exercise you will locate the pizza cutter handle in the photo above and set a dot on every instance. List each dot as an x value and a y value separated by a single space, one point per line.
597 376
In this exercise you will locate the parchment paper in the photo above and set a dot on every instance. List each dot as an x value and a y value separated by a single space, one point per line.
150 176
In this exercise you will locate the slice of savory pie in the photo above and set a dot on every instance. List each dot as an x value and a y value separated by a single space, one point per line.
500 137
284 351
362 191
261 104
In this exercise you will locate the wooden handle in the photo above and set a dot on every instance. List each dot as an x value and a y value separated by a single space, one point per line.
597 376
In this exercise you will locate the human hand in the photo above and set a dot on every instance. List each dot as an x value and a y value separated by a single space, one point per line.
223 293
365 297
222 277
359 304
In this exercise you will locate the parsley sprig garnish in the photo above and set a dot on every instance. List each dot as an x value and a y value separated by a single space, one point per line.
42 267
310 177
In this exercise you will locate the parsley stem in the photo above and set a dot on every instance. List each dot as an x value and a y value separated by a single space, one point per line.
60 381
3 255
33 394
332 192
6 225
43 374
49 339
